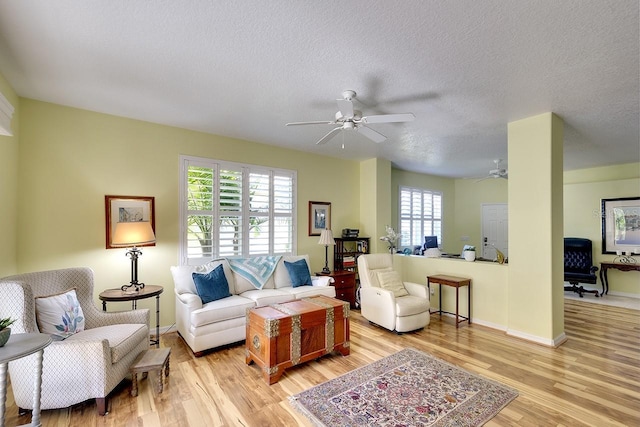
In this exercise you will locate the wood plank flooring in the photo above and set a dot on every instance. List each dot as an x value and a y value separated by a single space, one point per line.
591 380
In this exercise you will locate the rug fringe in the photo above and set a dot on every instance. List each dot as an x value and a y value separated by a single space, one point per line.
293 401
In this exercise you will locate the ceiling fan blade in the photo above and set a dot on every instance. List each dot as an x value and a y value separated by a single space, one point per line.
329 135
371 134
482 179
389 118
346 107
310 123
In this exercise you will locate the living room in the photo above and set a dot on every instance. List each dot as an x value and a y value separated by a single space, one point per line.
61 161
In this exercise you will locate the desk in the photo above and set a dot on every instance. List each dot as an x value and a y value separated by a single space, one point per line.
19 346
147 292
604 266
456 282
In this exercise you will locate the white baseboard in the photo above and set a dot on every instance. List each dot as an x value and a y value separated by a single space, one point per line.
489 324
538 340
624 294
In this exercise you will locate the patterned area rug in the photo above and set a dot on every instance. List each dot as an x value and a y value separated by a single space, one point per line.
408 388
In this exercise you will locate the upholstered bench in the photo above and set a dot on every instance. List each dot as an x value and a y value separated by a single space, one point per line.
152 360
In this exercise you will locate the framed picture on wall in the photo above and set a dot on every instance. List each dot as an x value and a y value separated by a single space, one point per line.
127 209
621 225
319 217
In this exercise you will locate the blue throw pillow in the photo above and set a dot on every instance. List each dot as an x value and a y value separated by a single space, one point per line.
298 273
211 286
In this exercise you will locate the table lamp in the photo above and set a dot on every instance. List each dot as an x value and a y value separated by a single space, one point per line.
326 239
130 234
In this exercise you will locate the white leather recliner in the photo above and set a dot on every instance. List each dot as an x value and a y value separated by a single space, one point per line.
380 306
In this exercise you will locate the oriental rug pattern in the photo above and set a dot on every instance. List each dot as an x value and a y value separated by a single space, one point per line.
408 388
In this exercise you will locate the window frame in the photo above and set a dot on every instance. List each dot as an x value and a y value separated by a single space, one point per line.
247 169
423 218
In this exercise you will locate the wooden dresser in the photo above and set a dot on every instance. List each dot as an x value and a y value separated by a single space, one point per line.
345 284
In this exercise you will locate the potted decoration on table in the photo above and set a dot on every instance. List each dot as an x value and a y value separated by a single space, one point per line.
391 238
469 253
5 330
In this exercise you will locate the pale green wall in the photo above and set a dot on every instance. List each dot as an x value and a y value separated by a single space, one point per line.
583 191
70 159
375 196
435 183
9 150
469 198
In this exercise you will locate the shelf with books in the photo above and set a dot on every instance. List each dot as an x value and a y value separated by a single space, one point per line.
347 250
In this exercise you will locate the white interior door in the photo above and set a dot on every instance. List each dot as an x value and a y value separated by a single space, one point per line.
495 228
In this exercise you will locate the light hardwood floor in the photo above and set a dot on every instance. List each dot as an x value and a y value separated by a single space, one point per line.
592 379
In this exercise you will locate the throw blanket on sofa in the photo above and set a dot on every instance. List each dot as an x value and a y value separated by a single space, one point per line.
256 270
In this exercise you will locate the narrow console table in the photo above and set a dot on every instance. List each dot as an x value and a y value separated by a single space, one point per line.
456 282
19 346
604 266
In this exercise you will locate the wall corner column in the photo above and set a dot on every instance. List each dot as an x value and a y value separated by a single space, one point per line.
536 249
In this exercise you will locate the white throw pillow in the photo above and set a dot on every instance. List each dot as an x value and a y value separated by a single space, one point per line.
60 314
391 281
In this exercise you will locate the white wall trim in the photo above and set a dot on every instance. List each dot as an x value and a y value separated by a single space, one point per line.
538 340
6 114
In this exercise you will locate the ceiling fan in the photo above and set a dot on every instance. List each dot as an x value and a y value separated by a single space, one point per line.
348 118
498 172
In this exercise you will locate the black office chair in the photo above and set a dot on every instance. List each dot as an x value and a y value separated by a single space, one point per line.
578 265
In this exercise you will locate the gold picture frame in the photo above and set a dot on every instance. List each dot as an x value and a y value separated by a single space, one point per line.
127 209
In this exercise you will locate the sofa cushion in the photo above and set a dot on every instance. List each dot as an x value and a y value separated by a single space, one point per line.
281 275
298 273
310 291
264 297
123 338
223 309
211 286
391 281
60 314
183 280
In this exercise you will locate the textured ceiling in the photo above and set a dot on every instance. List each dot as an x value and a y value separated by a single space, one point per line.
465 68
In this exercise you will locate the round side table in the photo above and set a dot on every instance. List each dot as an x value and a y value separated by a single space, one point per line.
19 346
148 291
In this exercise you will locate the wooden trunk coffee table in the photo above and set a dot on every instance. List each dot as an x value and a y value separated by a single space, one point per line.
283 335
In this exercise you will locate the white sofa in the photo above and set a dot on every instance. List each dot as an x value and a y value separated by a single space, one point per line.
221 322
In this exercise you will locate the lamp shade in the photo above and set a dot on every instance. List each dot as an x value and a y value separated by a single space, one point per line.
133 233
326 238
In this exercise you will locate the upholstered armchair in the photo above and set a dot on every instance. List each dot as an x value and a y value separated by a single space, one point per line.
578 265
86 365
387 301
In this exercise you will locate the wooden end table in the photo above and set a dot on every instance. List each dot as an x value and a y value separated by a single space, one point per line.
456 282
149 291
345 284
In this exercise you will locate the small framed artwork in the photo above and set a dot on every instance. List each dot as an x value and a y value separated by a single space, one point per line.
127 209
319 217
620 225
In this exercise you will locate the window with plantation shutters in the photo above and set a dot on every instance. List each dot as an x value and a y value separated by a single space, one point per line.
232 209
420 215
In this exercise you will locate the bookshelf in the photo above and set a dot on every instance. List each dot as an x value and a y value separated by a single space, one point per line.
347 250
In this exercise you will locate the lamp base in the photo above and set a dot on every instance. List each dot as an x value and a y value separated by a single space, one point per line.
132 288
325 270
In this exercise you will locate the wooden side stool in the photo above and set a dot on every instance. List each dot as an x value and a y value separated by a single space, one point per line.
152 360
